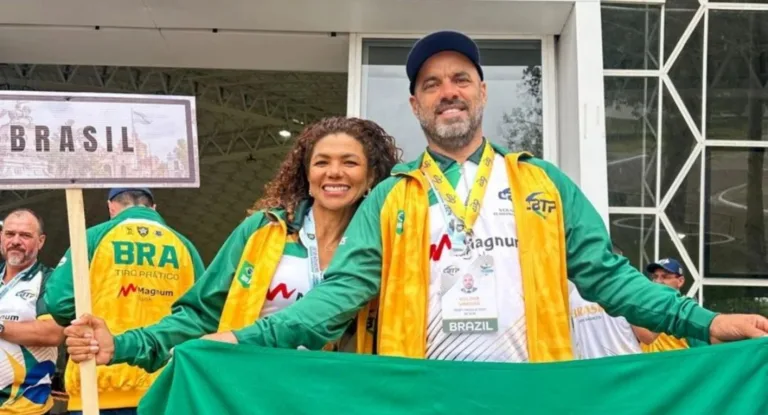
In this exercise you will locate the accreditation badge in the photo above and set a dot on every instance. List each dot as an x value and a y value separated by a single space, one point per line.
469 298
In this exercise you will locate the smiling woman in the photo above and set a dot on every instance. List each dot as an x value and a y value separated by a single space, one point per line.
334 163
340 147
275 256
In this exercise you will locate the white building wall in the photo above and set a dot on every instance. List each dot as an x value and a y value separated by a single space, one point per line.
581 106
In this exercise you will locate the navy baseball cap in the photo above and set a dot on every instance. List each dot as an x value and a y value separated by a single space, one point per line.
116 191
667 264
435 43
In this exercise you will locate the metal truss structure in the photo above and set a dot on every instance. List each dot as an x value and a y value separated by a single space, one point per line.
243 120
240 114
691 106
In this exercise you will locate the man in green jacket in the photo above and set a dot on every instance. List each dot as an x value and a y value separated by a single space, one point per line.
138 268
483 280
448 97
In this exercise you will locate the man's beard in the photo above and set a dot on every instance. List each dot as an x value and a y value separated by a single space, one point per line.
15 258
455 135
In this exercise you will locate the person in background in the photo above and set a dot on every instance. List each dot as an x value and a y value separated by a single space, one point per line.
276 256
595 333
28 336
139 266
668 272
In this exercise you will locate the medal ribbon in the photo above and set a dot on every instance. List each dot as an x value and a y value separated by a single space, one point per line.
467 214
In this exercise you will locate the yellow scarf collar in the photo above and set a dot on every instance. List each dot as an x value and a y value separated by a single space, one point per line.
399 315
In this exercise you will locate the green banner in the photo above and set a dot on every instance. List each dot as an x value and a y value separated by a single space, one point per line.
213 378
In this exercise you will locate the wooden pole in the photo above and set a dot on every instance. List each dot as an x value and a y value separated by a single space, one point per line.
82 287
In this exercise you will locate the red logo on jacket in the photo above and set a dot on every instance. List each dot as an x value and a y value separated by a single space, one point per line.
436 251
281 289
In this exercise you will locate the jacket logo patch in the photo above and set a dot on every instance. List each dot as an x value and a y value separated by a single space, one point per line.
284 292
400 222
143 292
143 231
245 275
505 194
540 203
26 295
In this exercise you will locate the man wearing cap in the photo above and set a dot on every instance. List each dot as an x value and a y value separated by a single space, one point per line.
522 229
669 272
139 267
515 223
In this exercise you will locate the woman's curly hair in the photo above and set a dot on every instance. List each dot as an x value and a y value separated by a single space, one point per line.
290 185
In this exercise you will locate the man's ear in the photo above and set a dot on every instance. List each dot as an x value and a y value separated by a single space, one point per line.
414 105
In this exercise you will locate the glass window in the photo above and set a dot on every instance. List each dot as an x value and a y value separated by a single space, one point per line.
513 114
733 106
749 300
683 213
631 36
737 75
735 213
630 125
633 235
678 13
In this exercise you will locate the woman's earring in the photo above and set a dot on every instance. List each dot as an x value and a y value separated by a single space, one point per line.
367 192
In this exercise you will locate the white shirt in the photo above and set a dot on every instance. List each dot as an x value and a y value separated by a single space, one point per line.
595 334
495 234
19 304
289 284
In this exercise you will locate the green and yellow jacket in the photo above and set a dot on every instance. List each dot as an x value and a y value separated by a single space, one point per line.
229 296
382 270
138 268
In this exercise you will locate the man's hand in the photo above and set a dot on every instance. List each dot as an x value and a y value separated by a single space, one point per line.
224 337
731 327
88 337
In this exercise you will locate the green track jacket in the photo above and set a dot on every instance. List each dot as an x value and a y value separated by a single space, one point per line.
59 296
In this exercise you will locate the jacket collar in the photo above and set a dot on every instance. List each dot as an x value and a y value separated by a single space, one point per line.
26 274
139 212
302 210
443 161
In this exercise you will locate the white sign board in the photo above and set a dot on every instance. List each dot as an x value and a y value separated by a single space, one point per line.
82 140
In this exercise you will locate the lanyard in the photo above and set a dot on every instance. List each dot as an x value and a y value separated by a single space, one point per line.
465 213
7 287
308 237
447 214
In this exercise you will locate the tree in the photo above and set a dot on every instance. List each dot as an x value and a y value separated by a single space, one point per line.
523 126
181 154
